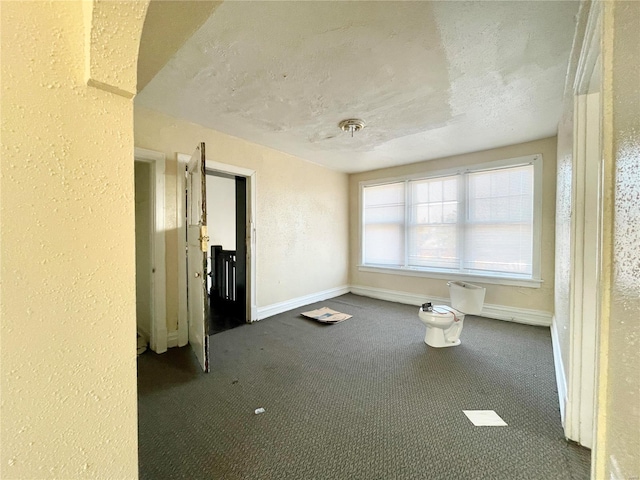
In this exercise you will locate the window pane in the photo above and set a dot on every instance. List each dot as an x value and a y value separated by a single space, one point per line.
433 246
450 189
390 194
432 238
435 213
490 233
435 191
421 214
420 192
384 244
450 212
499 228
499 248
383 230
384 214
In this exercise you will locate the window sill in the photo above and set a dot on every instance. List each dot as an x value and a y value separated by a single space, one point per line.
407 272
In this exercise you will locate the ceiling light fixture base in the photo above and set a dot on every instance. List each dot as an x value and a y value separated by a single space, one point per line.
352 125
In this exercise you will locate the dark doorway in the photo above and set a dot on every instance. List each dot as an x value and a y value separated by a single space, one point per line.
227 202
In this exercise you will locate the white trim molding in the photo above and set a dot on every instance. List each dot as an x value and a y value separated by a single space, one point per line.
499 312
158 334
394 295
181 227
172 339
276 308
561 380
252 208
581 359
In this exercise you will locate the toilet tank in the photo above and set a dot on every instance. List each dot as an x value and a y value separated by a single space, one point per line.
466 297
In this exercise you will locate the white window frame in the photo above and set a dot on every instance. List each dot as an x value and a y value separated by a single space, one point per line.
501 279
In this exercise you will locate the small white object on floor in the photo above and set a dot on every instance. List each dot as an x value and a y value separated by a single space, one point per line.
485 418
259 410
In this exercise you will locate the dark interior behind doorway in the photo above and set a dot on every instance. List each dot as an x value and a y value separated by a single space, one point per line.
228 272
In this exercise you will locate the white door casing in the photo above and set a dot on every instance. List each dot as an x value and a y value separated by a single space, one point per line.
584 271
250 175
158 321
586 241
197 246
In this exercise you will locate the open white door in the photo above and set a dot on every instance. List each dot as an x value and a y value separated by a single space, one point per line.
197 246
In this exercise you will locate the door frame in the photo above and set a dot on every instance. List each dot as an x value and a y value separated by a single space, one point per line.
586 239
250 175
586 248
158 327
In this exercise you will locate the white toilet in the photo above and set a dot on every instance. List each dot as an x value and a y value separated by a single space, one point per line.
444 324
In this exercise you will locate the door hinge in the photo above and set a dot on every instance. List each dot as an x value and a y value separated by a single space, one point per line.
204 238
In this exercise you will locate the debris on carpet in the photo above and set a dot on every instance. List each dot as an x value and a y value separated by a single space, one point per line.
326 315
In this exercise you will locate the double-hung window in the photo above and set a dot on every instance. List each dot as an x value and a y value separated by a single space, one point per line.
482 221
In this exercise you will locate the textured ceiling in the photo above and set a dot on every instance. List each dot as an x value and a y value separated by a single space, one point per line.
430 79
168 24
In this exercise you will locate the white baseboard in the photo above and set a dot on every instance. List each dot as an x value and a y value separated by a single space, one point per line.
276 308
172 339
561 380
498 312
527 316
395 296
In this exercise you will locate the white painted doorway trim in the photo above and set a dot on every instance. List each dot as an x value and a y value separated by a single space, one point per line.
586 240
181 225
250 175
585 246
158 333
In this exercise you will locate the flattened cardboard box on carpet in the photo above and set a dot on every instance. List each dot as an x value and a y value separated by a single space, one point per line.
326 315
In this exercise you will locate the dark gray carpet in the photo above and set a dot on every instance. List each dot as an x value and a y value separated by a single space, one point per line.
363 399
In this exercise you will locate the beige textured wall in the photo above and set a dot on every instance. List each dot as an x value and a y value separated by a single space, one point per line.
67 347
520 297
302 213
618 416
564 182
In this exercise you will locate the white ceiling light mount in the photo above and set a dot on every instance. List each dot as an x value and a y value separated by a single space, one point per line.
352 125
